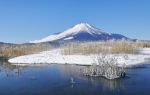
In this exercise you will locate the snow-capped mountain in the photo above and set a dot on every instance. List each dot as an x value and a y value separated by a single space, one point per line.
81 32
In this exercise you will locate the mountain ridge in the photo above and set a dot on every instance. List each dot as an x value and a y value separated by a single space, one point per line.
81 32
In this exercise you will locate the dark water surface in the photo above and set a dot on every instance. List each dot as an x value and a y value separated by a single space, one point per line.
57 80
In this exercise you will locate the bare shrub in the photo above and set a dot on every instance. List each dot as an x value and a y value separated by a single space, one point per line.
107 67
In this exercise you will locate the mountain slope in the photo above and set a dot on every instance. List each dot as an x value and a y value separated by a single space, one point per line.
81 32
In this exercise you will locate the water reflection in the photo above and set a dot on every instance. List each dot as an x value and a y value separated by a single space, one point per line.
8 70
75 71
107 84
72 73
68 80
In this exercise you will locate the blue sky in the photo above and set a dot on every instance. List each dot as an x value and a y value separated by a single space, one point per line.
26 20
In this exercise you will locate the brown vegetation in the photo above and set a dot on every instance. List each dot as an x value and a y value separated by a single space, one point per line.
102 47
76 48
18 50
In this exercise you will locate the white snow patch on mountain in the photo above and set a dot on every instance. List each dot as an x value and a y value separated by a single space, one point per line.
69 38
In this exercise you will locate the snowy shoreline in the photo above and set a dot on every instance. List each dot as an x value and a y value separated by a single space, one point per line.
55 56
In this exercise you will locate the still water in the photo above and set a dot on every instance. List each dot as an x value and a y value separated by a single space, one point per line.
57 80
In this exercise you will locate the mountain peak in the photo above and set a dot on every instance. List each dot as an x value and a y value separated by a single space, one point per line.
82 25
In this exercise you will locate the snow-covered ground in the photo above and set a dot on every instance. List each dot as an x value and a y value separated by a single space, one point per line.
55 56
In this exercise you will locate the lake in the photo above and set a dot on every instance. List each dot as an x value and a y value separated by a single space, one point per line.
54 79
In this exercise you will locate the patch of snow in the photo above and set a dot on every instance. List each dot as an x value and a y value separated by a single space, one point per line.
69 38
145 51
55 56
